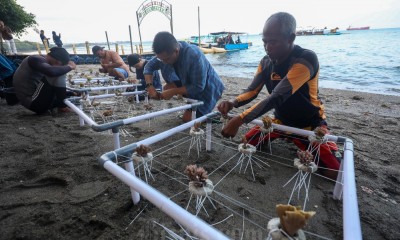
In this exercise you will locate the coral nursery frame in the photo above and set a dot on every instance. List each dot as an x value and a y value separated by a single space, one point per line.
344 189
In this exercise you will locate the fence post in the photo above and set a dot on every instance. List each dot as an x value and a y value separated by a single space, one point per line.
74 48
38 48
46 47
87 47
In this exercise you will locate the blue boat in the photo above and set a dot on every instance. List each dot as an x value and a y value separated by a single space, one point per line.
230 41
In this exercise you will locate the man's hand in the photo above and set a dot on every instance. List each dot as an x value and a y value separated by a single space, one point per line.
167 94
153 93
72 65
225 106
231 129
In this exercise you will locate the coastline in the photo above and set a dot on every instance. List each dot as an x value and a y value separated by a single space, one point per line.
52 187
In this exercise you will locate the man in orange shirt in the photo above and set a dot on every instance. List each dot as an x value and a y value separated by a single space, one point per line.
111 63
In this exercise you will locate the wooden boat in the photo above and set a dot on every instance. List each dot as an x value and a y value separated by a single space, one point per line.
230 41
218 50
206 50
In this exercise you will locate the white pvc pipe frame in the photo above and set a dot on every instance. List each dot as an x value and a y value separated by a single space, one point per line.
128 165
195 225
351 219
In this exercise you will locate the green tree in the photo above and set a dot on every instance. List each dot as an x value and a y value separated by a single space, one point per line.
15 17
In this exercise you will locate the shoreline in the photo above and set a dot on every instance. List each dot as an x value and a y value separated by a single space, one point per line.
51 185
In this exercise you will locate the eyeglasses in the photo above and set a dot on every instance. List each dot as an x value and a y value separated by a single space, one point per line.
166 57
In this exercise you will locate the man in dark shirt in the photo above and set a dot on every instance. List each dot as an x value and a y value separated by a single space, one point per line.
135 61
290 74
45 40
40 81
57 39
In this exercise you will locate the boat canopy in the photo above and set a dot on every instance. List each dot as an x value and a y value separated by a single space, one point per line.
225 33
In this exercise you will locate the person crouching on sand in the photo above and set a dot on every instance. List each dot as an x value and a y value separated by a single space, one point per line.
186 71
290 74
111 63
40 81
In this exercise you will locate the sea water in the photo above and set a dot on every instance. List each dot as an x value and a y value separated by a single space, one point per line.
365 60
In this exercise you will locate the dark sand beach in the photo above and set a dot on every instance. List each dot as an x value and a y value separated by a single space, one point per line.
52 187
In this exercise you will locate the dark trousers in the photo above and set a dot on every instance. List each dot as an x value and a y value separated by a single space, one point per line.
47 97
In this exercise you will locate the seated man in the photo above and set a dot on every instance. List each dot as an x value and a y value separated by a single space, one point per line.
111 63
290 74
134 60
40 81
186 71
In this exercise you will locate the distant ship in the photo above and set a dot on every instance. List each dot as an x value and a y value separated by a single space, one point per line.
357 28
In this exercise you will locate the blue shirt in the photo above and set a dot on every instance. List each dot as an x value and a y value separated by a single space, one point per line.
195 72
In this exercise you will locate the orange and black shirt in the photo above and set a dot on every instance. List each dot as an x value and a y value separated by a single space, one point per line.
293 90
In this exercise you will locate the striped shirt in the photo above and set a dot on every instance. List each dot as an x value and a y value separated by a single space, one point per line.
195 72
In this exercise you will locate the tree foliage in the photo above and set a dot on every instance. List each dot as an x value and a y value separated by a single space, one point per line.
15 17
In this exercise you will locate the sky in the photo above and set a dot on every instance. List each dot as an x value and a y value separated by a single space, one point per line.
88 20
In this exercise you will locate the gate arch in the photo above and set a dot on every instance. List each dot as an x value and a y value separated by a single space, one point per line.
149 6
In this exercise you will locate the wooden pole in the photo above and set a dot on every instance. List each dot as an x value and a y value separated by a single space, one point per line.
171 22
122 50
38 48
137 49
2 50
130 36
116 48
87 47
198 22
140 35
108 44
74 48
46 47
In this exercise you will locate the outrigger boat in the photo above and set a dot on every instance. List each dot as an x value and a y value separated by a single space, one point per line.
220 42
230 41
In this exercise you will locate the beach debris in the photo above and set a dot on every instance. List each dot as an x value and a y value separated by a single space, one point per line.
179 97
118 92
108 113
131 99
144 156
356 97
148 107
289 223
94 103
